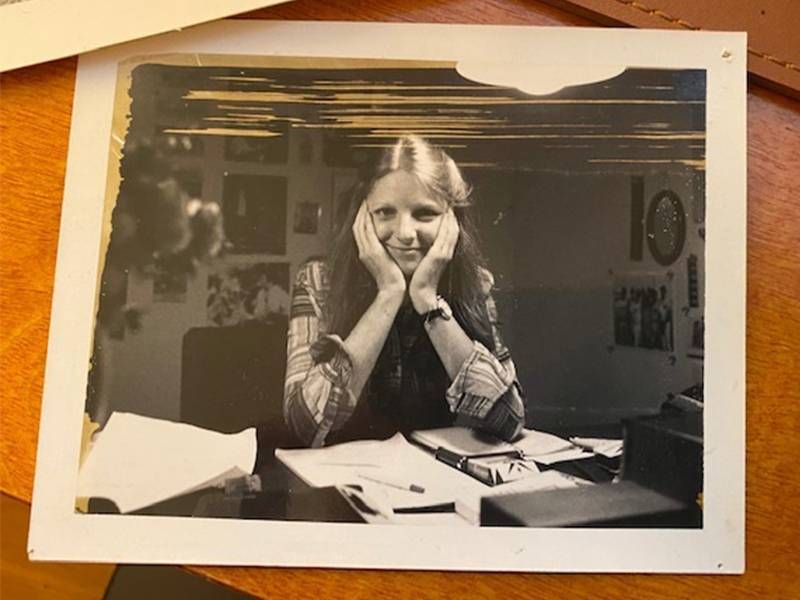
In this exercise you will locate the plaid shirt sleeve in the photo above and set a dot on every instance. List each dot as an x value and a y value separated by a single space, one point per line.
485 394
317 398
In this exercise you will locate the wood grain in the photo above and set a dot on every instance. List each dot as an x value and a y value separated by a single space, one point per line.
35 105
20 578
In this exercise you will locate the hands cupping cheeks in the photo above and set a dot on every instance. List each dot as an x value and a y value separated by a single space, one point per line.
423 285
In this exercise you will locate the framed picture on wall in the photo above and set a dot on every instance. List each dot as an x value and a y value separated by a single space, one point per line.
254 212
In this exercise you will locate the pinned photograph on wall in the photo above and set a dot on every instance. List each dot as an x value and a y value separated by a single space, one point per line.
256 292
698 338
643 316
438 332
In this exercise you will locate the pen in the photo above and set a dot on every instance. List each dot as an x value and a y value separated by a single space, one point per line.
412 487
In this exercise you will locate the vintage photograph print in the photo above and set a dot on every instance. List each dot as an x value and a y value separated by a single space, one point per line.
404 296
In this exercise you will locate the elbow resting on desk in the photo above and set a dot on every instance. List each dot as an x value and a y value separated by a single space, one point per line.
504 418
484 395
321 403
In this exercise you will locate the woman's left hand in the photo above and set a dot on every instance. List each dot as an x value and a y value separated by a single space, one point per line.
424 283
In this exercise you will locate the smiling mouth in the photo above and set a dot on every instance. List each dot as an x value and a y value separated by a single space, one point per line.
399 249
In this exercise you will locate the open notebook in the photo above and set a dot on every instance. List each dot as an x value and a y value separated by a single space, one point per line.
494 461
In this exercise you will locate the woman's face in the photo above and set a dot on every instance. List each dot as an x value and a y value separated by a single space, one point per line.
406 218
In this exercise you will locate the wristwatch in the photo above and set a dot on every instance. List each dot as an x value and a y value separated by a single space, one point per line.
441 311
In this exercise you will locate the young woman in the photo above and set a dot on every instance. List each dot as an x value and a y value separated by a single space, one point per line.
397 331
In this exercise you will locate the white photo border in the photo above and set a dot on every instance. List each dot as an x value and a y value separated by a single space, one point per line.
58 533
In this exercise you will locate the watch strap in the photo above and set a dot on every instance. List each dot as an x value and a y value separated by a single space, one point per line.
441 311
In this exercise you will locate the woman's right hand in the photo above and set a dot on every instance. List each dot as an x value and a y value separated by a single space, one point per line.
387 274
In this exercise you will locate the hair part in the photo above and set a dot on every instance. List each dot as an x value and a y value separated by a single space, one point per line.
435 170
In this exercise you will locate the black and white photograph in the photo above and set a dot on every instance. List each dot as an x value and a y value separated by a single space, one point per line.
419 296
643 311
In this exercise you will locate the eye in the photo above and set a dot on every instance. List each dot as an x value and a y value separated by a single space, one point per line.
426 214
384 212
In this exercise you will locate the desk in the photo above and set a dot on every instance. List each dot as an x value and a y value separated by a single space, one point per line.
286 497
36 105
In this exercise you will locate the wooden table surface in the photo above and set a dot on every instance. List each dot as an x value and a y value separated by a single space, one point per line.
36 103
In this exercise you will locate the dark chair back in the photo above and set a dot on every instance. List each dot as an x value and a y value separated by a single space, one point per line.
232 377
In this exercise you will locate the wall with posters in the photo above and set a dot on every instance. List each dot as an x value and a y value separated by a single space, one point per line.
601 327
560 246
149 383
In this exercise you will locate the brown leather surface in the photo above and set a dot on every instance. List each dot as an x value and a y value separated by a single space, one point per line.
773 42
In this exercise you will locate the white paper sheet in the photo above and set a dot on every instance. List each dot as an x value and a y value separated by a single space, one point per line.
137 461
40 30
394 461
399 463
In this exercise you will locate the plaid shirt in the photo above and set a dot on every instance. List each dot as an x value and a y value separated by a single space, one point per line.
408 388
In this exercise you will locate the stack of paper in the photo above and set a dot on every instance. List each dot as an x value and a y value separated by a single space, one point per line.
393 474
137 461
